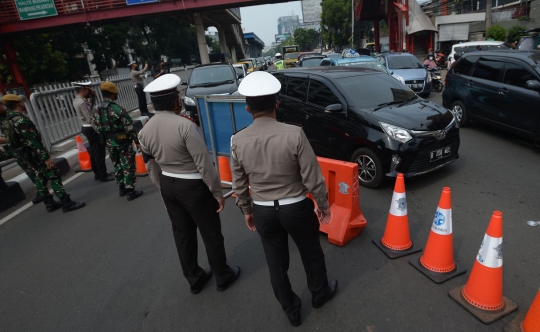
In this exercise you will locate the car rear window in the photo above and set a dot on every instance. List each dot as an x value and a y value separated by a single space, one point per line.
307 62
214 74
369 91
403 62
465 64
488 69
365 64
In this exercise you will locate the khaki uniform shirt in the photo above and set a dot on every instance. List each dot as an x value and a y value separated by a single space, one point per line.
136 76
178 147
83 109
277 161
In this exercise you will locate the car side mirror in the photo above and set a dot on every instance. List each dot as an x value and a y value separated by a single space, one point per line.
533 85
183 82
334 108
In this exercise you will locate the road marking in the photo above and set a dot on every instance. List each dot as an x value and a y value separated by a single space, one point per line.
26 206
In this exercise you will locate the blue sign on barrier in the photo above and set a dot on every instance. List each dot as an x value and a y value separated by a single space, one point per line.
138 2
227 115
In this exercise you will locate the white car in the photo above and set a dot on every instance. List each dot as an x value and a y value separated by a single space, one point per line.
469 47
241 71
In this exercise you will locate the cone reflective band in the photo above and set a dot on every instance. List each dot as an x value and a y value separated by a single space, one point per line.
442 222
396 241
483 294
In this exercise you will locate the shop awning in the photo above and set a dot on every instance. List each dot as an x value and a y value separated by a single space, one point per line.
418 20
458 31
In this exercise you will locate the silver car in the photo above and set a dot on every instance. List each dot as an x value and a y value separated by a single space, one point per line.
409 70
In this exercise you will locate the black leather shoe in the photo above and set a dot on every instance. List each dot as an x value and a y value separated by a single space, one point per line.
226 284
132 194
198 287
330 292
298 320
108 178
122 191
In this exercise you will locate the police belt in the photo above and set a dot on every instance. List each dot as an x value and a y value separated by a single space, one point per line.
187 176
284 201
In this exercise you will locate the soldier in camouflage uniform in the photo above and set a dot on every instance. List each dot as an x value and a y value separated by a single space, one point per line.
24 140
114 125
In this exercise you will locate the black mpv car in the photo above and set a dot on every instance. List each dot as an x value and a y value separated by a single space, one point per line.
368 117
499 88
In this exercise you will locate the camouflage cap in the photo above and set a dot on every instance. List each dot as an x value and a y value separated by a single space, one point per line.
109 86
11 97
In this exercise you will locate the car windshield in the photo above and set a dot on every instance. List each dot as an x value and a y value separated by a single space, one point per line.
536 57
309 62
289 56
403 62
372 90
366 64
210 75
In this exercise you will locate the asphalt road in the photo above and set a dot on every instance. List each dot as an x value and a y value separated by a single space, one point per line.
112 266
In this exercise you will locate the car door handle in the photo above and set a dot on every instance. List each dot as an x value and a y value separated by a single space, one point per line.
503 92
469 83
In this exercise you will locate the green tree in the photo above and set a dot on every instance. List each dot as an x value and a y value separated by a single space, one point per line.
307 40
336 21
288 41
515 33
497 32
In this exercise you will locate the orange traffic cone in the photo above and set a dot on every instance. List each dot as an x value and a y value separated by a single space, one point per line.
84 157
482 295
396 241
437 262
527 322
140 167
225 174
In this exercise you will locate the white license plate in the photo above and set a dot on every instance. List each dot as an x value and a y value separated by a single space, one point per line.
439 154
415 86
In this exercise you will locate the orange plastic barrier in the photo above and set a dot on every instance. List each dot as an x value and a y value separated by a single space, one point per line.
396 241
483 294
84 157
437 263
347 220
140 167
225 174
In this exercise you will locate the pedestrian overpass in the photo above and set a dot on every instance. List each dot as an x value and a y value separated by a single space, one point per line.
24 17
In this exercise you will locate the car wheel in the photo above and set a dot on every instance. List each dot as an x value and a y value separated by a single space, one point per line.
370 174
460 112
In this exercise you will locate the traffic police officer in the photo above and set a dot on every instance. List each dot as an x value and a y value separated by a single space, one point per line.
189 184
113 123
279 63
276 160
83 103
139 86
24 140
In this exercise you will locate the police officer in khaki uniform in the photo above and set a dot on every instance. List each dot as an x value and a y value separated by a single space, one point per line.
189 185
276 160
83 103
139 86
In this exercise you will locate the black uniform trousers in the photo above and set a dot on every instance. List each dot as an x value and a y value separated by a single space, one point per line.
191 205
97 152
299 220
141 98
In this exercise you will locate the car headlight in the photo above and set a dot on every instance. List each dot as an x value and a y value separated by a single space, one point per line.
399 78
188 101
397 133
428 77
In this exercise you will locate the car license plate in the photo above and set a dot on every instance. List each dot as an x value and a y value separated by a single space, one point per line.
439 154
414 86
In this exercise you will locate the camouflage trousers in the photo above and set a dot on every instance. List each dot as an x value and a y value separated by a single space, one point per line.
38 172
123 159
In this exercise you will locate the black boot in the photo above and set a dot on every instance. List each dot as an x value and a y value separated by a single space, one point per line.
132 194
68 205
38 199
122 191
51 204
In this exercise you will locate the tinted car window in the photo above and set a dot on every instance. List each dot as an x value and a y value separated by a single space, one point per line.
464 66
296 87
325 63
283 80
461 49
495 47
403 62
517 75
239 71
320 94
307 62
488 69
471 49
212 74
369 91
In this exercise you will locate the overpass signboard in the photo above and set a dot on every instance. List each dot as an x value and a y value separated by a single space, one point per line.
30 9
137 2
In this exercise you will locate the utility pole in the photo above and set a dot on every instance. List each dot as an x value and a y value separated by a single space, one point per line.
352 37
488 15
